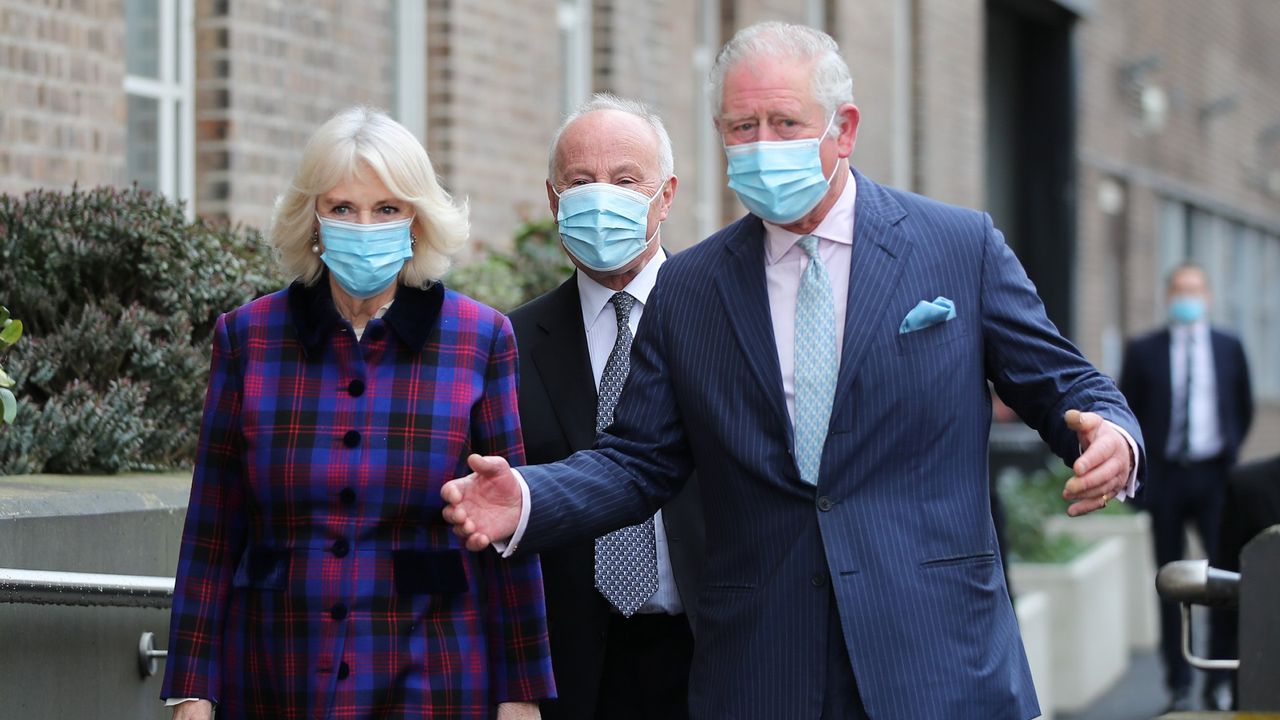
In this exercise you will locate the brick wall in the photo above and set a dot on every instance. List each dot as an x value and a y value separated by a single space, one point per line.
268 74
644 51
1204 52
950 101
62 106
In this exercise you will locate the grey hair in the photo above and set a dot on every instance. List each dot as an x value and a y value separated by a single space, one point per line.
832 85
351 143
609 101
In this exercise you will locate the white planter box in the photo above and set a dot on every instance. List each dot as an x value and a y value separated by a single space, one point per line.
1033 622
1089 645
1142 616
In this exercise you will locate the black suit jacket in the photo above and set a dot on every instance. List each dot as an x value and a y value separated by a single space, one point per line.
558 417
1147 383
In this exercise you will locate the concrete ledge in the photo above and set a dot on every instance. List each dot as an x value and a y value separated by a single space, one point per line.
59 661
1088 641
26 496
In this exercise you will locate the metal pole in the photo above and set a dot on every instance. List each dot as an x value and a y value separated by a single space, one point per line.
49 587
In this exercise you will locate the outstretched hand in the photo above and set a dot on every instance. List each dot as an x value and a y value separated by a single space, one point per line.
1102 470
485 505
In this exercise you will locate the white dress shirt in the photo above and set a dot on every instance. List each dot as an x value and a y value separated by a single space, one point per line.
601 324
1205 435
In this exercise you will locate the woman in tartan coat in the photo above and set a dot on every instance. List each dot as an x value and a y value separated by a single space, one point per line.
316 577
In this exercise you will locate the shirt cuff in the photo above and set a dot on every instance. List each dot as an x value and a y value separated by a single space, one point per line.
1131 487
507 548
178 701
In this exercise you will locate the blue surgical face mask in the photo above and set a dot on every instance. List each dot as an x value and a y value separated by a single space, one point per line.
365 259
604 226
779 180
1186 309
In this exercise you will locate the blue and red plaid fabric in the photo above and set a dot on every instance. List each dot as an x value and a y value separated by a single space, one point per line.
317 578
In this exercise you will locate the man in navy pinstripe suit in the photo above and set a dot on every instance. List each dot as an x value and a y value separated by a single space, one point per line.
822 362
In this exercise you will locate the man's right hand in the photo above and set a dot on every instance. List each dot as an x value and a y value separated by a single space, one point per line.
485 505
193 710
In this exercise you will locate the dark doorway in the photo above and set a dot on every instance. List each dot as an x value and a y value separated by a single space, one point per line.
1031 144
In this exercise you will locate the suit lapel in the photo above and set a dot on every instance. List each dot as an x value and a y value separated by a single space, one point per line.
880 249
563 363
741 284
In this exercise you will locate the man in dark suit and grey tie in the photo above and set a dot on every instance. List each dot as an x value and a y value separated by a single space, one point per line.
1188 384
823 363
619 607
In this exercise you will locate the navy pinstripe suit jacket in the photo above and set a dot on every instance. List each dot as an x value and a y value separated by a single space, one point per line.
899 524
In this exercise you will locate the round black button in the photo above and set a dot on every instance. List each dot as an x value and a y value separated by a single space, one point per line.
343 670
824 503
818 579
351 439
347 496
340 548
338 611
355 388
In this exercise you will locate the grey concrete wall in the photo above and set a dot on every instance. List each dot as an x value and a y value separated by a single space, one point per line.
61 662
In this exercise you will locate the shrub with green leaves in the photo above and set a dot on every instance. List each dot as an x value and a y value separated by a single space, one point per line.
1029 501
507 280
10 331
119 293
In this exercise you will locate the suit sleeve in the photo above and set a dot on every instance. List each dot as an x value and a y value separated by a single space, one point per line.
639 463
213 537
1039 373
515 612
1244 392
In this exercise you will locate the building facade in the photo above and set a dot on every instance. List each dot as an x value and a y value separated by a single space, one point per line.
1109 139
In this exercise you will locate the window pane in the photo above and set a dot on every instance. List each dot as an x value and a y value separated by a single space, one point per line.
142 38
142 142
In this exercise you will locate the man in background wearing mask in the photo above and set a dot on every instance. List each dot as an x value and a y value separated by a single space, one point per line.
619 607
823 362
1188 384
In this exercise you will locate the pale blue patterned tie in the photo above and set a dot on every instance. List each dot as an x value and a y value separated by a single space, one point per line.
817 362
626 559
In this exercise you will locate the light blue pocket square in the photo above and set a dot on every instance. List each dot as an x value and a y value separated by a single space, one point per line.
927 314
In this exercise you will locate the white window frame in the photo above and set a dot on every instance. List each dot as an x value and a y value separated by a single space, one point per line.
574 19
174 93
410 18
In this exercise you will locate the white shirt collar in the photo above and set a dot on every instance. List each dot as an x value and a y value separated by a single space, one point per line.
594 296
837 226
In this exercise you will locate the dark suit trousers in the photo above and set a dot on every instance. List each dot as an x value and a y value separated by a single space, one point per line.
840 699
646 668
1182 494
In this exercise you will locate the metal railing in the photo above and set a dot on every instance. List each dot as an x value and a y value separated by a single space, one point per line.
51 587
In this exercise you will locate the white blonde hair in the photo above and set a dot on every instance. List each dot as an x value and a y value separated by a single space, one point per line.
350 142
831 83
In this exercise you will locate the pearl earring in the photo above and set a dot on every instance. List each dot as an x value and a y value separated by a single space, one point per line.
413 239
315 242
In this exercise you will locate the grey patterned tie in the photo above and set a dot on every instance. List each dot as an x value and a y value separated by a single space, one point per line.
626 559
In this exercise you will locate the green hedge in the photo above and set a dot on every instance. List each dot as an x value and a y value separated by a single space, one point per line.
118 293
507 280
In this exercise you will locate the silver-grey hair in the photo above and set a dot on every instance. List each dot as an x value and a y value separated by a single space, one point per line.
832 85
609 101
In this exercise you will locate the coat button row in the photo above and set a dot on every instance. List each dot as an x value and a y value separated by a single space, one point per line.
340 548
351 439
355 388
818 579
347 496
338 611
825 503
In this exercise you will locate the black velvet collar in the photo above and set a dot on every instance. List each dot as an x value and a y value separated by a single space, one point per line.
411 317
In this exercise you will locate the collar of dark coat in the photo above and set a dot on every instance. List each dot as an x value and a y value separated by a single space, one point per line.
410 317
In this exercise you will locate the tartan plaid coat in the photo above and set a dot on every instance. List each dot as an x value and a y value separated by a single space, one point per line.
317 578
